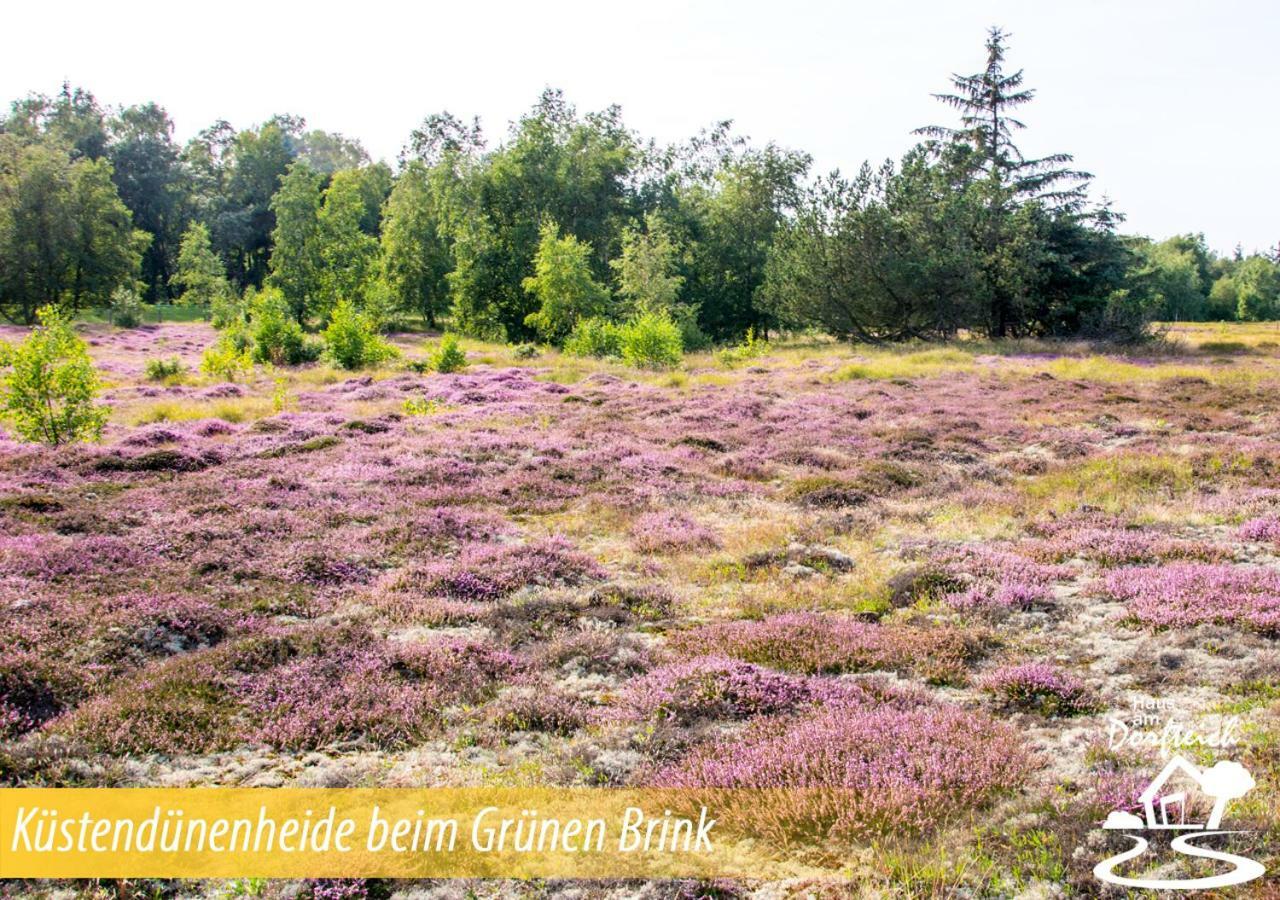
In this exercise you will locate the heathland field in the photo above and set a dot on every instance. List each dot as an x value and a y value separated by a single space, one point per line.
930 578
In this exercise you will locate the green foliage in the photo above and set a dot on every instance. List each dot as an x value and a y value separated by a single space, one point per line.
526 351
422 406
646 270
965 234
448 356
558 166
48 390
346 253
1256 284
65 236
752 347
594 336
351 341
276 336
417 254
229 359
295 256
165 369
200 274
127 310
651 341
153 184
563 283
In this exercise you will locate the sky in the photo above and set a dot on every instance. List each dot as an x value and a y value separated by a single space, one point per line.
1171 104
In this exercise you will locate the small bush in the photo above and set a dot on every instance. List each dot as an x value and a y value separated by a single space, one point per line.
594 337
126 308
160 369
855 769
48 392
525 351
670 531
712 688
223 362
651 341
1041 688
277 337
226 309
751 348
351 341
448 356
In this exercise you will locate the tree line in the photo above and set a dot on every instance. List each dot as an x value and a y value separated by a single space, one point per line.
574 218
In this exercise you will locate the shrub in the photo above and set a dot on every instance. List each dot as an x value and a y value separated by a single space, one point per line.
160 369
126 307
48 392
1186 594
667 531
713 687
854 768
225 309
594 337
563 284
751 348
223 362
525 351
489 572
277 337
1265 530
351 342
651 341
812 643
448 356
1041 688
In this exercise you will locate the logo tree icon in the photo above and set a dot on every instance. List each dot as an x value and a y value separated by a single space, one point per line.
1225 782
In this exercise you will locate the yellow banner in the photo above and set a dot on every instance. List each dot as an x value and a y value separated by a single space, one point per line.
386 833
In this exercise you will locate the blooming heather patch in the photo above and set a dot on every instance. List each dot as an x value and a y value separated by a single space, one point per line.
715 687
389 696
1005 596
1262 530
1041 688
182 705
814 643
1187 594
487 572
853 770
667 531
1125 546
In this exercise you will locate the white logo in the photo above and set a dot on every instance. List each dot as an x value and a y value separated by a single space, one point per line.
1224 782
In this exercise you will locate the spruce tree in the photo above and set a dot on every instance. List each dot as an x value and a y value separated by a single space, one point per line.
986 102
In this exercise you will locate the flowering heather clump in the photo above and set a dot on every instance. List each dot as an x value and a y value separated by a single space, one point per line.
997 565
488 572
538 708
349 694
182 705
851 769
1263 530
1121 546
1009 595
336 889
388 696
668 531
715 687
813 643
50 557
1187 594
1041 688
167 623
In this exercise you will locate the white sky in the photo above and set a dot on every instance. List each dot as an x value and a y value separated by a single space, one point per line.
1173 104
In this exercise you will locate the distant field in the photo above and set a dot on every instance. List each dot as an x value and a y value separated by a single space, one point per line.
830 566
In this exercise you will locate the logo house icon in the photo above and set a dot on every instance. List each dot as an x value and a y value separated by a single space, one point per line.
1168 811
